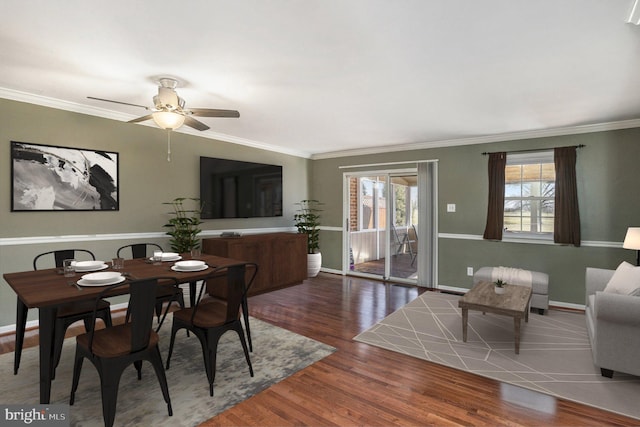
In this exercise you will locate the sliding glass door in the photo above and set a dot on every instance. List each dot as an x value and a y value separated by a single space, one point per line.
382 230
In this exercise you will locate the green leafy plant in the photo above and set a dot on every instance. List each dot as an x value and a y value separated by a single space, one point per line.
307 220
184 225
499 283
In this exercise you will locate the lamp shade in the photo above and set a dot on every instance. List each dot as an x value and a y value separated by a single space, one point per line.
168 120
632 239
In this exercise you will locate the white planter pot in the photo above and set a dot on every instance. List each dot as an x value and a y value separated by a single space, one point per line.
314 262
498 290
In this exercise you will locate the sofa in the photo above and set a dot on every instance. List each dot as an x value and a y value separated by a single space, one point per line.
613 323
538 281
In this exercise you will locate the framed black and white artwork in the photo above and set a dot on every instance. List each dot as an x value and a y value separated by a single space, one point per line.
51 178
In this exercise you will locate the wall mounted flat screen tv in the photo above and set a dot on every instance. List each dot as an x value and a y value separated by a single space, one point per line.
236 189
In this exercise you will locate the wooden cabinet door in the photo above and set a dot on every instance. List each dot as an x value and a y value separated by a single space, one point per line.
290 255
258 251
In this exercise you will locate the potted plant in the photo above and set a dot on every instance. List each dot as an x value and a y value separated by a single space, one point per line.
499 286
184 225
307 220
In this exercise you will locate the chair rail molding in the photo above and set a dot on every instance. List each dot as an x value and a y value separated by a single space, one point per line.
37 240
588 243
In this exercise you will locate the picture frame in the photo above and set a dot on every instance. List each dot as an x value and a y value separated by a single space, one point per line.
55 178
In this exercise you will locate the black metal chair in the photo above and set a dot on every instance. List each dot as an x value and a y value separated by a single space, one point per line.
112 350
210 318
164 294
67 313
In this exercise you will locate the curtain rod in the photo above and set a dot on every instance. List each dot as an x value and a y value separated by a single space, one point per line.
533 150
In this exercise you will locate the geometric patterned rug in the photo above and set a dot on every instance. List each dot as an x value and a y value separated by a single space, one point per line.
555 355
277 354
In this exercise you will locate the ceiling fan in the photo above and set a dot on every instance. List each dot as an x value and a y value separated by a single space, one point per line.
168 109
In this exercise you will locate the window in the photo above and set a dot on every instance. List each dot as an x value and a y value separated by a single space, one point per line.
529 198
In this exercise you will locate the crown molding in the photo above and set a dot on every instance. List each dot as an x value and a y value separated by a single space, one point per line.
511 136
44 101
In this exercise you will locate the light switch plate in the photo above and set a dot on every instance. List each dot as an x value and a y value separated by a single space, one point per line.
451 207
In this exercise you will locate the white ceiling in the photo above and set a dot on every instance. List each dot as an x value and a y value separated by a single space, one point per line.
311 77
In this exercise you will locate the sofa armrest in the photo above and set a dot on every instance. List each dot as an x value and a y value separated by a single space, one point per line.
596 279
617 308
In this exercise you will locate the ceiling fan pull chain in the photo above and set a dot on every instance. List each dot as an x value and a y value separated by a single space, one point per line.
168 145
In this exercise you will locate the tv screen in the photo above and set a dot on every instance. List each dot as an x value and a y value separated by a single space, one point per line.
235 189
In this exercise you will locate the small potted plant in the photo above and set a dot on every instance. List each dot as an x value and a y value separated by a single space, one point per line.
184 225
307 220
499 286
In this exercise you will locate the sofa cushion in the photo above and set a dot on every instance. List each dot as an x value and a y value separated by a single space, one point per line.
625 280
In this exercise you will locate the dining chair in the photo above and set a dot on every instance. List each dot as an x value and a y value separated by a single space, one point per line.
67 313
244 304
210 318
164 294
112 350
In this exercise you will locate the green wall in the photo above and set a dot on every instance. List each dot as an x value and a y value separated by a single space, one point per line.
146 180
607 178
607 175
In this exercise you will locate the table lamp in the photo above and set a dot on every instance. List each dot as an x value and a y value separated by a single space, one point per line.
632 241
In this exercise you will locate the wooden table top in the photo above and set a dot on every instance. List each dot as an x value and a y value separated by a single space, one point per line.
42 288
515 299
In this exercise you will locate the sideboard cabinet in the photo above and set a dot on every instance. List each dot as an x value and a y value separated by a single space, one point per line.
281 258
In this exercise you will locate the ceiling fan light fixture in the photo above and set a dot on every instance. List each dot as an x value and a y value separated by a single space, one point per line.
168 120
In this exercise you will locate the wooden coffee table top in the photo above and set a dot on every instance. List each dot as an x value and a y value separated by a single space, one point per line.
515 299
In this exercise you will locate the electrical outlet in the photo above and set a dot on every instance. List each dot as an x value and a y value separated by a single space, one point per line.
451 207
469 271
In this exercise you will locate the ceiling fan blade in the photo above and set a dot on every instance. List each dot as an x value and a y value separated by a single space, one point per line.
118 102
211 112
196 124
141 119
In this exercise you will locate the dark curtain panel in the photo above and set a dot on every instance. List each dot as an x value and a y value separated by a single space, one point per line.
566 227
495 209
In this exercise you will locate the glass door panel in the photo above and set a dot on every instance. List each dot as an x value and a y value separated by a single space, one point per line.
403 238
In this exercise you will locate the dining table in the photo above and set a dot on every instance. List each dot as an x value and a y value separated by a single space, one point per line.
47 289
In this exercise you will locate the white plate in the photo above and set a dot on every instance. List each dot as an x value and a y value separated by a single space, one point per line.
176 268
87 264
170 256
87 269
99 278
112 282
191 265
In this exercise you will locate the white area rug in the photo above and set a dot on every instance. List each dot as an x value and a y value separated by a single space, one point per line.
555 355
277 354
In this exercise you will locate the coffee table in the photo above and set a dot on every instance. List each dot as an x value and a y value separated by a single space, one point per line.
513 302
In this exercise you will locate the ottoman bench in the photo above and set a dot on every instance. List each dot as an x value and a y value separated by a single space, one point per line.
539 282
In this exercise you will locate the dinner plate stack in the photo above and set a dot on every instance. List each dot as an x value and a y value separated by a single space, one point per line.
84 266
191 265
105 278
170 256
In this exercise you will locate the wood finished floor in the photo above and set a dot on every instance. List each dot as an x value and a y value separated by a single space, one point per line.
364 385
